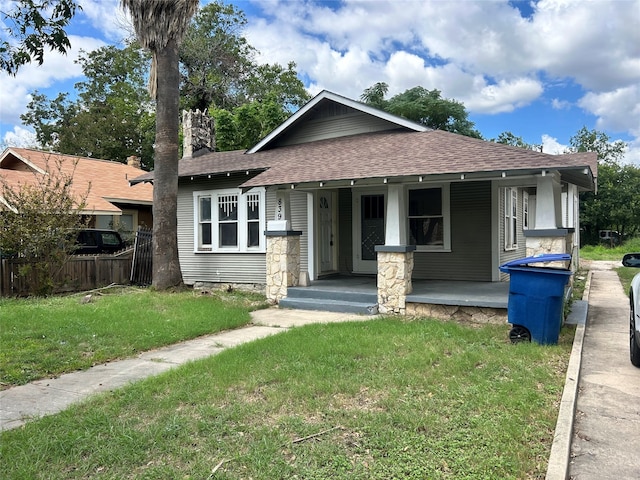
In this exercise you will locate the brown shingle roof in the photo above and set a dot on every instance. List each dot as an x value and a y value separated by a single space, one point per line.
380 155
109 180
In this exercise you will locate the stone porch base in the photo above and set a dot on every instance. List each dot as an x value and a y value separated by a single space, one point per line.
480 315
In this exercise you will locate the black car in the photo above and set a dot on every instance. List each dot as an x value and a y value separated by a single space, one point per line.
94 241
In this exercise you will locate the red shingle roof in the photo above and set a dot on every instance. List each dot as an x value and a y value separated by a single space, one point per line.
109 180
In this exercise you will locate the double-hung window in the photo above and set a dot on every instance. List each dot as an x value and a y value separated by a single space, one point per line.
429 218
229 221
510 218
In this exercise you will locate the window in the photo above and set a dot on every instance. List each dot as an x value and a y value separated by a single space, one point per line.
428 218
510 218
253 220
228 220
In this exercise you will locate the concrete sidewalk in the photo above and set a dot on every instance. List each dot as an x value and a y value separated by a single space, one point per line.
606 432
45 397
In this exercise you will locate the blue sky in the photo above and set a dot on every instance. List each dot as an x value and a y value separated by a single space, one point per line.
541 70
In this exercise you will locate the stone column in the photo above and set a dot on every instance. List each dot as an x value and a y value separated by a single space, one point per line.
282 263
395 267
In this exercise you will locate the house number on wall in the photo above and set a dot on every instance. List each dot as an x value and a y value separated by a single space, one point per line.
279 209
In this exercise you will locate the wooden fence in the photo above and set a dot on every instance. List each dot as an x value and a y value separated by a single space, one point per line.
85 272
80 273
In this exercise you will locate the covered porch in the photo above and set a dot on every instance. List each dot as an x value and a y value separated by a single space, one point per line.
479 302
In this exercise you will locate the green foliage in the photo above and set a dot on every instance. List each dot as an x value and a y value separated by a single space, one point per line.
35 25
616 204
626 275
36 222
247 124
112 117
215 58
604 252
423 106
508 138
375 399
45 337
594 141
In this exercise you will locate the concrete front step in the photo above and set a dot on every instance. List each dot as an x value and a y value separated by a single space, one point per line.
329 305
344 295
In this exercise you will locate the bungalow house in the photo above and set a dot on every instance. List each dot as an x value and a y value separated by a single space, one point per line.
111 202
342 192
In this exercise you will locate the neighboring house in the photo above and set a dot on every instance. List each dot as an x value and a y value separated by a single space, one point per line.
111 202
344 188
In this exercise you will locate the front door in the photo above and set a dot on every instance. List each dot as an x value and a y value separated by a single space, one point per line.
369 211
326 229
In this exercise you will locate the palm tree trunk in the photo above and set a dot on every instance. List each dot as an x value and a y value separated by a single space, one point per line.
166 265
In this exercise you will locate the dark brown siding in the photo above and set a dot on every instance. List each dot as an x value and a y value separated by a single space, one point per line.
470 256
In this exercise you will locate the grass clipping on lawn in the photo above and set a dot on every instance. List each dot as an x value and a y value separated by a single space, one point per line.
381 399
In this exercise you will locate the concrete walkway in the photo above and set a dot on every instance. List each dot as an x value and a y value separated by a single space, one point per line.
45 397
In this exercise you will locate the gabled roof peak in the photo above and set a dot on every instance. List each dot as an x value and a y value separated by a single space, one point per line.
327 96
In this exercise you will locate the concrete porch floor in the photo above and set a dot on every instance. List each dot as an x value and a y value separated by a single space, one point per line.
437 292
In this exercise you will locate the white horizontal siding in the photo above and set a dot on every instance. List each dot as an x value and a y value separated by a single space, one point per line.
212 267
298 206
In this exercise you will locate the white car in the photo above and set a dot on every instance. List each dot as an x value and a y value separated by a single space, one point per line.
633 260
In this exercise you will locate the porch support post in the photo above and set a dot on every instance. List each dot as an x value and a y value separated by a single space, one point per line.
548 202
395 257
282 252
549 235
396 218
395 267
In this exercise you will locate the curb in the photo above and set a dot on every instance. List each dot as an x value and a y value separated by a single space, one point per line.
560 455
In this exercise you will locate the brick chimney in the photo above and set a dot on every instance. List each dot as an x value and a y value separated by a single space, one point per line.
199 133
133 161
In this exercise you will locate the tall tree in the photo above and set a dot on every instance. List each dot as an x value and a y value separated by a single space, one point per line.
35 25
423 106
112 117
616 204
159 26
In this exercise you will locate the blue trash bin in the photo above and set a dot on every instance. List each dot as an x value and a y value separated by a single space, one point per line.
536 298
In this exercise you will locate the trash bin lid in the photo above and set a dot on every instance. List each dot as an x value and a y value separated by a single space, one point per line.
544 258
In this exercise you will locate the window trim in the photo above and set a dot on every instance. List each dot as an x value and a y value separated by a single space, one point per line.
510 223
242 221
525 210
445 191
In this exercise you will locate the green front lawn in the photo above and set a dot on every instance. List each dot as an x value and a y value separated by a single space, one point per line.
603 252
386 398
48 336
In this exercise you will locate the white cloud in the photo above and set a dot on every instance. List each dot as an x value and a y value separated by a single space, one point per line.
108 17
504 96
14 94
551 145
558 104
21 138
596 43
617 110
632 153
